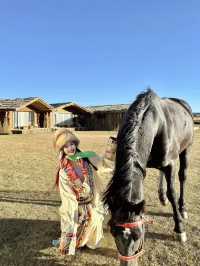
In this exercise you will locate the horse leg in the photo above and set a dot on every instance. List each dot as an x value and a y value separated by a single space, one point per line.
183 157
171 194
162 190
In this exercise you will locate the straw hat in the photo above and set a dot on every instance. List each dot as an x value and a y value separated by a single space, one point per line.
62 137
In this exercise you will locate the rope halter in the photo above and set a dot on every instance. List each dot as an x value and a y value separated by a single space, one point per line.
135 224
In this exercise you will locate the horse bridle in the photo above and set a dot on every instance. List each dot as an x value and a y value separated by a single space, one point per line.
131 225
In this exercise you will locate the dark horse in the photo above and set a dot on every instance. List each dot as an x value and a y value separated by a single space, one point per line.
155 132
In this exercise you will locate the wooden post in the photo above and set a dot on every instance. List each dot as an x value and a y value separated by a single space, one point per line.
50 119
9 121
35 119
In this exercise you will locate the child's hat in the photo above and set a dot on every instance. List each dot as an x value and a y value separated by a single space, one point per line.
64 136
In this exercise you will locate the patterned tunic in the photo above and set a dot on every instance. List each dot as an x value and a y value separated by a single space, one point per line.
81 216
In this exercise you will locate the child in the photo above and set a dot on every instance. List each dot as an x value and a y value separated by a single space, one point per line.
81 214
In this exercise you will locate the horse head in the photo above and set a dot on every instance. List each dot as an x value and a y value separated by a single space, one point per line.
127 228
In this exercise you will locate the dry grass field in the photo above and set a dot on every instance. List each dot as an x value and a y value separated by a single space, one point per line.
29 217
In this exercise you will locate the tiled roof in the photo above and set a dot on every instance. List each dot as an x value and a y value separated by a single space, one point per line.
18 103
109 108
71 107
12 104
55 105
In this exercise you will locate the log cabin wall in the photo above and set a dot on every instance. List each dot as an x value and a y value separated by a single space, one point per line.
108 120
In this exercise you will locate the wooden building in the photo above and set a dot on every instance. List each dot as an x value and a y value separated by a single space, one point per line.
24 113
106 117
196 117
32 113
110 117
70 114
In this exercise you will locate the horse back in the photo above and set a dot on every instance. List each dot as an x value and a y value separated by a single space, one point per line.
178 122
174 133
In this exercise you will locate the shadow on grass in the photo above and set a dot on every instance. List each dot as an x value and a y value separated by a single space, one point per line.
160 214
30 197
28 242
158 236
101 251
22 241
30 201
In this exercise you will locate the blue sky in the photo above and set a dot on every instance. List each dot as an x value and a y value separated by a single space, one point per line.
100 51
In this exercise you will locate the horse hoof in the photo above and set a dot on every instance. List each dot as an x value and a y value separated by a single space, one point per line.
162 197
165 202
184 215
182 237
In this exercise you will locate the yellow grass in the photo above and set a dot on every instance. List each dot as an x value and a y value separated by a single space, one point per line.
29 217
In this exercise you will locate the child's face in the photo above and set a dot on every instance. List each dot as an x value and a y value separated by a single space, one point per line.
70 148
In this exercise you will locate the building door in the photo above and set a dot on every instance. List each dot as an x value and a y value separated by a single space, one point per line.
41 120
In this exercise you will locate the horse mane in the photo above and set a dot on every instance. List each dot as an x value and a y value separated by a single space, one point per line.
127 161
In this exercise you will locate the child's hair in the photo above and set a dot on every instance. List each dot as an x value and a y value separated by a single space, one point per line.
62 137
